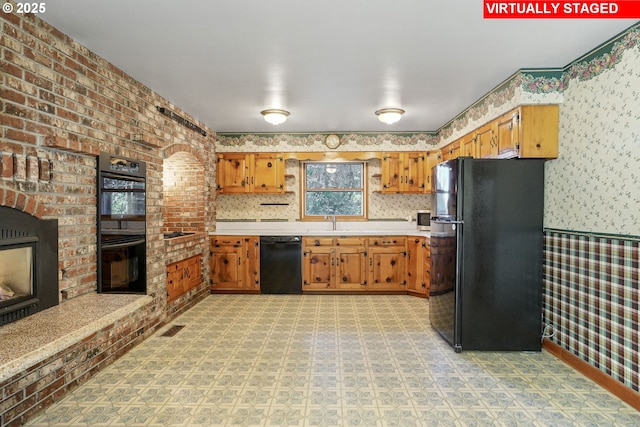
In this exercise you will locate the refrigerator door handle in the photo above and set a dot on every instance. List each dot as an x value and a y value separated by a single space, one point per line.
438 221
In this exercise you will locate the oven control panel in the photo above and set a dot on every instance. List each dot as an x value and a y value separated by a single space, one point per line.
122 165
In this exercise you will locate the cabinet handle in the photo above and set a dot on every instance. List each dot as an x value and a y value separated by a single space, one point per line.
239 261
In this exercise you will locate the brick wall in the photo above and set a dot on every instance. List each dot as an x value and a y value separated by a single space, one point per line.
184 194
60 106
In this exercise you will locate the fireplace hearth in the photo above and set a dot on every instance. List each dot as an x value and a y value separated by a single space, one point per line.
28 264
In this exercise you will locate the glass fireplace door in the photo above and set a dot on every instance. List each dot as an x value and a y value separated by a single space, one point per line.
16 272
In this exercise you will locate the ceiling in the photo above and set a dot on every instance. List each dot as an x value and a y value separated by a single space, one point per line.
331 63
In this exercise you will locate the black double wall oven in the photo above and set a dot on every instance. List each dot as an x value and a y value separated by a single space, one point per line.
121 225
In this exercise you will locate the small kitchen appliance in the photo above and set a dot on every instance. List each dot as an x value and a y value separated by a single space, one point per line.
423 220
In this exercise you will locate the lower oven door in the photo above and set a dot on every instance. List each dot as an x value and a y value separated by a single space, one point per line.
123 265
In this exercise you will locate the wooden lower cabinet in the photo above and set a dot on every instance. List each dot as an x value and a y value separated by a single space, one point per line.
417 266
336 264
333 264
182 276
387 263
235 263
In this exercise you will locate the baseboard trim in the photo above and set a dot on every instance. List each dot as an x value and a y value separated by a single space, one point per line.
623 392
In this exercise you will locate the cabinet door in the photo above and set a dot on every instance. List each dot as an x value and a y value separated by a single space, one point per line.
426 269
225 270
486 141
191 273
433 158
391 173
232 173
317 268
251 250
268 171
507 133
451 151
350 268
468 145
387 263
413 165
415 264
174 281
387 269
225 267
538 131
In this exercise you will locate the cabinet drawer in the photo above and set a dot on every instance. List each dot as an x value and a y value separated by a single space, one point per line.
351 241
387 241
226 241
317 241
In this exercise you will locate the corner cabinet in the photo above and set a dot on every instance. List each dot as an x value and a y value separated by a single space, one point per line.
235 263
244 173
182 276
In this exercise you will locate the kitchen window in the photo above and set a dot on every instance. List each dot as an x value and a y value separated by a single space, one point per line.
333 188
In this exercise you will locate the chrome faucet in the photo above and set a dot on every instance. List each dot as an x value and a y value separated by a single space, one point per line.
331 218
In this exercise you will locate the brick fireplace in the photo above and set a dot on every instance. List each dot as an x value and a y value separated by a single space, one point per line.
28 264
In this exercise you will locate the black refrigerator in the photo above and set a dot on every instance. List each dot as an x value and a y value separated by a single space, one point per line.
486 253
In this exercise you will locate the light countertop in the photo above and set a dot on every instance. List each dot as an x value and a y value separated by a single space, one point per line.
318 228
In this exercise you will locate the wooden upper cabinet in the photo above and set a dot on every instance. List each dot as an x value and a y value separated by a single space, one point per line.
268 172
468 145
433 158
485 140
403 172
250 173
529 131
232 173
451 151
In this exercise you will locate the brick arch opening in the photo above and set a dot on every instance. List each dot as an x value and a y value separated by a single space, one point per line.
22 202
183 208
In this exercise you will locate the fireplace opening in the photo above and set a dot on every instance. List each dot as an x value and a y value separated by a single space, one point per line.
28 264
16 270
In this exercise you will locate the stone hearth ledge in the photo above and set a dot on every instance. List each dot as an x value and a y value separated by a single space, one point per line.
31 340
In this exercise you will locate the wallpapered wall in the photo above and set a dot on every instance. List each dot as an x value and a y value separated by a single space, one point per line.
594 185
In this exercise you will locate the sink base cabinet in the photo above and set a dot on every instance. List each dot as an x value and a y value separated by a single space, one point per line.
333 264
354 264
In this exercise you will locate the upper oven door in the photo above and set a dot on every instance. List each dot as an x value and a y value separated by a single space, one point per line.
122 198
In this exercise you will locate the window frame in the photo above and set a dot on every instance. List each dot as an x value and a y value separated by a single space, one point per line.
303 191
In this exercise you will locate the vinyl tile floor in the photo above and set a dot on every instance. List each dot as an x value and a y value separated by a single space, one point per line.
324 360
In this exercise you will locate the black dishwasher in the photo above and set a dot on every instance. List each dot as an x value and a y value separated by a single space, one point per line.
280 265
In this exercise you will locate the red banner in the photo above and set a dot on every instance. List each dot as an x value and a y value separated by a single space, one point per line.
627 9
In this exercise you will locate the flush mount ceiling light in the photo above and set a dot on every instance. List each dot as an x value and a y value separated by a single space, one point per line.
389 115
275 116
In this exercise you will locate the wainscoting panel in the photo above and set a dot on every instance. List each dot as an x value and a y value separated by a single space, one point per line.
591 299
